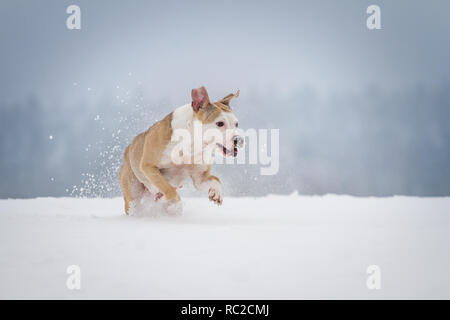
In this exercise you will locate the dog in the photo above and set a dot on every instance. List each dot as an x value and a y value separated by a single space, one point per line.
157 164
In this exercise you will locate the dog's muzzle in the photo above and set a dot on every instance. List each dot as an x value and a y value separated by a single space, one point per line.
238 141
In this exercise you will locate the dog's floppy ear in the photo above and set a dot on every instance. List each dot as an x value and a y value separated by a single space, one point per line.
226 100
200 98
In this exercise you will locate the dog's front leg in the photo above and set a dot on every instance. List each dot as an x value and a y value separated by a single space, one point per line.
204 181
154 145
154 175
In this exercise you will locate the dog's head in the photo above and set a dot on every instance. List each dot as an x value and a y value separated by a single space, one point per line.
219 122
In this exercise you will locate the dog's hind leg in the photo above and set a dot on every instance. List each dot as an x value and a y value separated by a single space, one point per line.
131 187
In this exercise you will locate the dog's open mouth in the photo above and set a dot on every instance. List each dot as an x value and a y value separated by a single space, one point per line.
228 152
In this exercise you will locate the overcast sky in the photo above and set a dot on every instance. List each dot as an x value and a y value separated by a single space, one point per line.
172 46
292 57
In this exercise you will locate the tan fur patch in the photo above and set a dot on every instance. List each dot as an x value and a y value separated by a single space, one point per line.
226 100
222 106
157 137
211 112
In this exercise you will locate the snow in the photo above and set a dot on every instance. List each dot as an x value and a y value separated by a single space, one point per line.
275 247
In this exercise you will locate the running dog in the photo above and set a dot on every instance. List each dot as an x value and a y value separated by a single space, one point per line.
154 163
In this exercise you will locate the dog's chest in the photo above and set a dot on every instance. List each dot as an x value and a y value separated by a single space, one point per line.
176 175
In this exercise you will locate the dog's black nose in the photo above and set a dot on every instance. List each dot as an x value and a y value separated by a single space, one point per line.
238 141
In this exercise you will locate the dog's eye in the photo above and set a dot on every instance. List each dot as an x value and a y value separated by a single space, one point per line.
220 124
237 124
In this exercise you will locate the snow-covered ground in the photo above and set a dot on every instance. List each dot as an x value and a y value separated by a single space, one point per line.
276 247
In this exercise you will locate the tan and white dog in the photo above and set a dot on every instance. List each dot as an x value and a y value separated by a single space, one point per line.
149 166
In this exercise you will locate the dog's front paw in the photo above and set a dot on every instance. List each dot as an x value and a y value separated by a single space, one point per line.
215 195
174 207
172 194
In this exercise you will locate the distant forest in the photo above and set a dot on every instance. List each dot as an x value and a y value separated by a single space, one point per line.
372 143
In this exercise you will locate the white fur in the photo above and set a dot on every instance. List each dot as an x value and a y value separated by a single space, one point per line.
183 117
